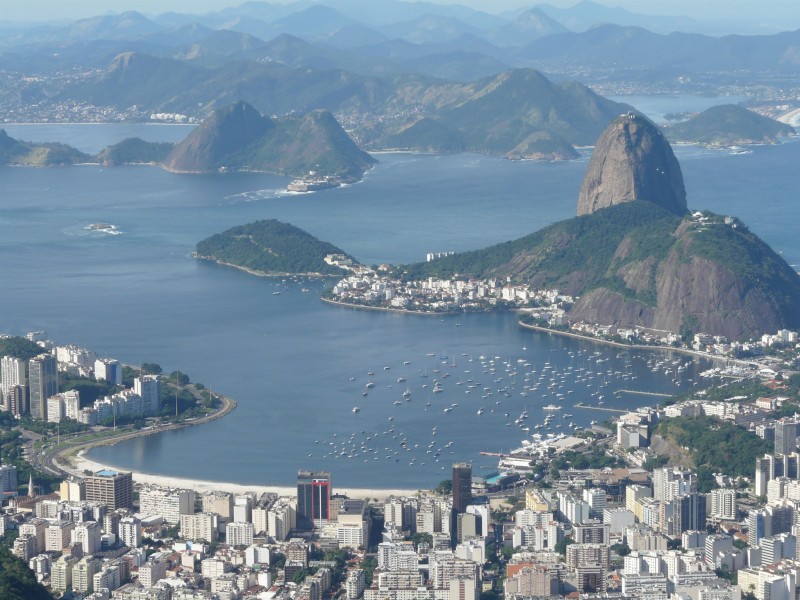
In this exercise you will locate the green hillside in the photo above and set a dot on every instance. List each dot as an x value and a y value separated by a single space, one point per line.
728 124
574 255
270 247
135 151
638 265
16 152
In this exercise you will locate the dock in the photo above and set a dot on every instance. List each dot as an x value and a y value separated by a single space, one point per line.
641 393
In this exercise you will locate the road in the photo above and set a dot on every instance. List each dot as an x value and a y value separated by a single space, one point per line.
52 460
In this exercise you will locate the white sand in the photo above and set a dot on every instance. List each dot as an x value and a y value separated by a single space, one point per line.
82 463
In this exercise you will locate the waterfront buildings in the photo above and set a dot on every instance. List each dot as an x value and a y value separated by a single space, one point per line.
313 499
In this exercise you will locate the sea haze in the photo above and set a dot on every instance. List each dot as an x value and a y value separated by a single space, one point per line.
286 357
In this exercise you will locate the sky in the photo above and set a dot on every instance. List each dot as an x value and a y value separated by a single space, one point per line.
774 11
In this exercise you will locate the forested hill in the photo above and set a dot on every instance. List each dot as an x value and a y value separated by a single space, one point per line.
270 247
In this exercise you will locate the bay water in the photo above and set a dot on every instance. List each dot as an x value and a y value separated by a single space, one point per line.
298 367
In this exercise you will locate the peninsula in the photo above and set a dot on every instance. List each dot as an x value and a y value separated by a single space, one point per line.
271 247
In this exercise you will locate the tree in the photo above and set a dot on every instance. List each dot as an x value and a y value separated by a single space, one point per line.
179 378
445 487
561 547
151 369
621 549
299 577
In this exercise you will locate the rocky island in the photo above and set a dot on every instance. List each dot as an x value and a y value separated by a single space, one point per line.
238 137
234 138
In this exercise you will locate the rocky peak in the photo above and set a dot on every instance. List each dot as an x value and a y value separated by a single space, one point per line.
632 160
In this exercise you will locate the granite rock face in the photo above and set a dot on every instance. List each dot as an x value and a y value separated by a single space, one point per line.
632 160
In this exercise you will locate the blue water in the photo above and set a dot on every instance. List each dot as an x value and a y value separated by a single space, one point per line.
287 357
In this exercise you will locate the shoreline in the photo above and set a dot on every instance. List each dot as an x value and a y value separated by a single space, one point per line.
596 340
222 263
388 309
201 485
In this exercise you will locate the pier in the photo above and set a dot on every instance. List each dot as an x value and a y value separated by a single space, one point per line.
641 393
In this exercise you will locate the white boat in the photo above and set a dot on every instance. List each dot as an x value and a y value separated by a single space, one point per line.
551 407
356 409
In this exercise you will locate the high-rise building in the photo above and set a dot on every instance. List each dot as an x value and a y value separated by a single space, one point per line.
130 532
12 372
149 388
462 486
169 503
43 383
313 499
786 436
724 504
8 481
16 400
112 488
108 369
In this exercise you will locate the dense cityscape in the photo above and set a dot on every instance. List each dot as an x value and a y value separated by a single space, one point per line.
615 410
597 512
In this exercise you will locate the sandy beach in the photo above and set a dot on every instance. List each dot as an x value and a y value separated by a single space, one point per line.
82 463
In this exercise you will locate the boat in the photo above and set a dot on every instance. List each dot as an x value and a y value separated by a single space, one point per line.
551 407
356 409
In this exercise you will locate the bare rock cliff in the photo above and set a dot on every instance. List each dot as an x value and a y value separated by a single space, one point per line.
632 160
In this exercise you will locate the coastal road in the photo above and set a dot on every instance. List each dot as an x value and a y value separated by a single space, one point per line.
54 460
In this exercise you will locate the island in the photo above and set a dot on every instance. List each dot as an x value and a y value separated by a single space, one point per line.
311 147
271 247
728 125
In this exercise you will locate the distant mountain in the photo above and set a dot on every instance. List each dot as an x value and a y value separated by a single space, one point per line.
498 115
729 124
428 29
636 263
270 248
314 21
530 25
168 85
16 152
455 65
219 47
177 35
238 137
134 78
586 14
350 36
613 46
127 25
426 135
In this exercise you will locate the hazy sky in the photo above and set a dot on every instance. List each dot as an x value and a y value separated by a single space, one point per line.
774 11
